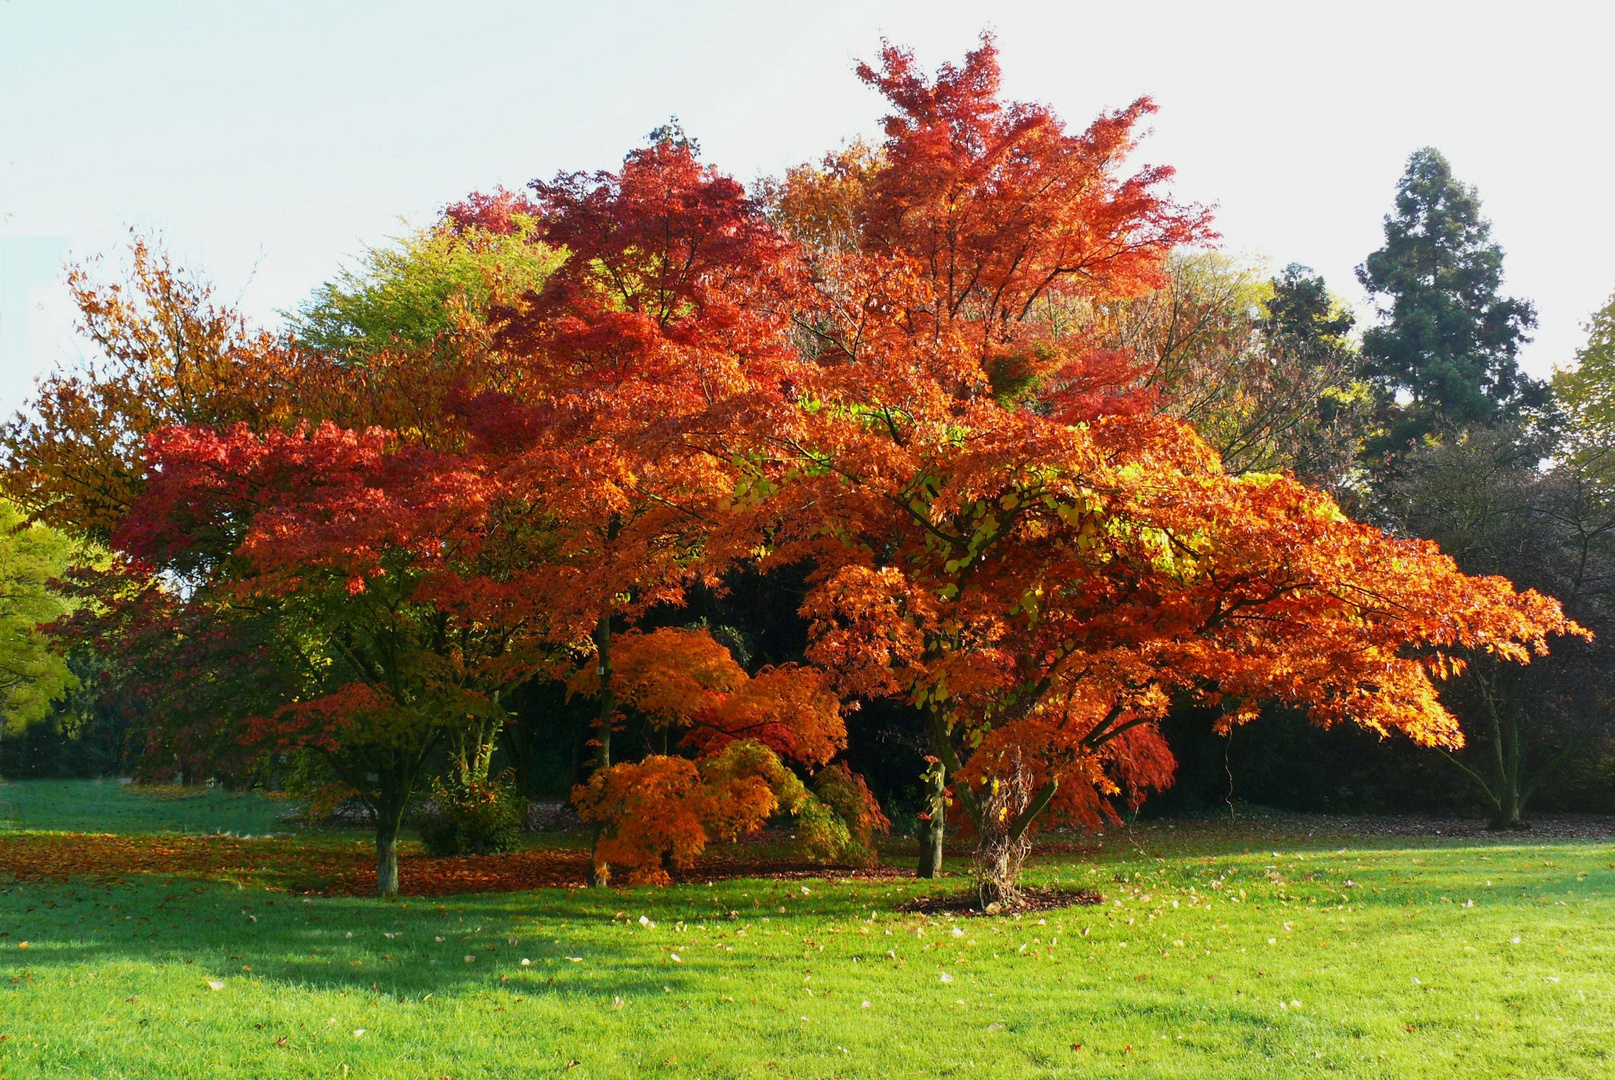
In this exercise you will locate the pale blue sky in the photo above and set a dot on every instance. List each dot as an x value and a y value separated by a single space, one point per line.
269 141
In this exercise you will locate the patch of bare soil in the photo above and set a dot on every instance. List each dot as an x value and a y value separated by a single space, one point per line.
1032 900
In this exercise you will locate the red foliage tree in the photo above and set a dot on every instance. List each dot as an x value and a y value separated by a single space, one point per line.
393 570
639 358
1004 533
1003 530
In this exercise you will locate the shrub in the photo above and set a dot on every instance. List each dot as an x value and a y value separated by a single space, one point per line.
473 818
840 822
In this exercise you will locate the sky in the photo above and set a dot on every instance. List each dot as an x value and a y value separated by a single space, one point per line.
270 143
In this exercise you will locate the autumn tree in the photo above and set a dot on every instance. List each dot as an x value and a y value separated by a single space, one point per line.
391 344
930 333
407 606
1012 538
165 352
387 345
761 731
638 357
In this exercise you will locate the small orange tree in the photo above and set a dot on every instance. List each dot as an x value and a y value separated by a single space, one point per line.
747 732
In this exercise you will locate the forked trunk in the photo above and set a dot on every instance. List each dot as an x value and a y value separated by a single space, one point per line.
1007 805
1507 806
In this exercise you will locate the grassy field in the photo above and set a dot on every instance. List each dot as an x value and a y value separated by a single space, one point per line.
110 806
1260 949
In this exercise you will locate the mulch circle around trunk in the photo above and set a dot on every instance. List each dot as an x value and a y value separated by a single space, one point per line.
1032 900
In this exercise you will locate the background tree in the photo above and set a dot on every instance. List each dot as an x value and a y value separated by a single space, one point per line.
1587 393
33 671
1487 501
168 354
1450 342
1262 367
421 291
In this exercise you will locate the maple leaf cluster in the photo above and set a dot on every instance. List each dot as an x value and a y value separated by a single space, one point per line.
871 367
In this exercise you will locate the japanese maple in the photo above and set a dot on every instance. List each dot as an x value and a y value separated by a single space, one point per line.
1006 533
639 358
688 689
388 566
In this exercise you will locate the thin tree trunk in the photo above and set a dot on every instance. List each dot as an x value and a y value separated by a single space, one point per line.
599 872
934 823
608 697
944 764
1505 764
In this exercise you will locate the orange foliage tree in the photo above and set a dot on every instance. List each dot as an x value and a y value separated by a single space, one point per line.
169 354
879 372
660 811
1006 533
665 325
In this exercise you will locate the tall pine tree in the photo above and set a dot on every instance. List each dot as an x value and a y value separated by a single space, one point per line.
1446 358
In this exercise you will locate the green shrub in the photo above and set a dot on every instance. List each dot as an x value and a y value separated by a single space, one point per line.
472 818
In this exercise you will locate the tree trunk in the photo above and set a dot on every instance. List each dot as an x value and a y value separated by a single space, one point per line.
1504 791
1007 807
387 856
472 753
935 819
608 697
599 872
1508 802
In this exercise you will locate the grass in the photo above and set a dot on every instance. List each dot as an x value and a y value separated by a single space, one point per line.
1221 958
111 806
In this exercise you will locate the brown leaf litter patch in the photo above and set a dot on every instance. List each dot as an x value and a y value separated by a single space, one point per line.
1032 900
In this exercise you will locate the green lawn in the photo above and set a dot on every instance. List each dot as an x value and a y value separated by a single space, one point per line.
110 806
1390 958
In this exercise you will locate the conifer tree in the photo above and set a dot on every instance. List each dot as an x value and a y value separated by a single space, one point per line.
1447 355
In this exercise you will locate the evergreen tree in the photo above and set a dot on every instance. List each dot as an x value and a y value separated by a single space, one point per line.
1446 357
